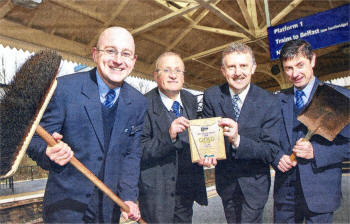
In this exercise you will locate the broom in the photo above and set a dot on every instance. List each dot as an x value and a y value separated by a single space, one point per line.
21 109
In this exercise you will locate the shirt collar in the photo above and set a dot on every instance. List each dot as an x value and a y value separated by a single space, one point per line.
307 89
241 95
168 103
103 89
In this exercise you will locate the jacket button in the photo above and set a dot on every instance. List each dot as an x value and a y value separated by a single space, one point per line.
99 158
172 194
173 178
88 195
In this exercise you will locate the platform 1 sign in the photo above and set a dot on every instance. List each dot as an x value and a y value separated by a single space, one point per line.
320 30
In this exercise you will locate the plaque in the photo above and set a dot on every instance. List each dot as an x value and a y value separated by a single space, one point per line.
206 139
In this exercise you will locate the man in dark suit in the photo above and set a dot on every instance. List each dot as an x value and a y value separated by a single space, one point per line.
169 182
309 188
98 117
251 122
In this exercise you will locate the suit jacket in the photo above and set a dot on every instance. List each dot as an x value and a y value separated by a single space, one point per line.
258 126
75 111
159 165
320 177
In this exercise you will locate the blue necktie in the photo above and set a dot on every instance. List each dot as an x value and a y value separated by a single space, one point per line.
109 98
236 109
299 102
176 108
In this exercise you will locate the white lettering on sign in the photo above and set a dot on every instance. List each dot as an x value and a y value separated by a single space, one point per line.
285 28
283 40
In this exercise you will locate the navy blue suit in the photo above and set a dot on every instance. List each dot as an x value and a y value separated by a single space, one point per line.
246 167
75 111
318 179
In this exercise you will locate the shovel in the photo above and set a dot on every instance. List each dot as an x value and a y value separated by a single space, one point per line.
326 115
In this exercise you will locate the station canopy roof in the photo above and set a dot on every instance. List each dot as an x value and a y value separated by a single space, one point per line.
196 29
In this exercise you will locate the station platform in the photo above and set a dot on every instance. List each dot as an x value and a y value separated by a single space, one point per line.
28 195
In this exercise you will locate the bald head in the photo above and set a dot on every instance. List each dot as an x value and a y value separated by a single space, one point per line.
114 55
115 32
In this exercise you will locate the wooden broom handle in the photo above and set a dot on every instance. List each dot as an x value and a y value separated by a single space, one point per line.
51 141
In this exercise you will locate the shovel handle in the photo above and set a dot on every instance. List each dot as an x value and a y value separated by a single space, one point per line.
292 157
51 141
307 137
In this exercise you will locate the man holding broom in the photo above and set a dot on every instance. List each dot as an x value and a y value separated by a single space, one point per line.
310 187
98 117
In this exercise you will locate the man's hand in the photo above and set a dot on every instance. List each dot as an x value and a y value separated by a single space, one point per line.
303 149
286 164
134 211
230 130
60 153
179 125
208 162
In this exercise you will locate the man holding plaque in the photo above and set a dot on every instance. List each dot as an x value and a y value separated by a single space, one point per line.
169 182
251 123
309 188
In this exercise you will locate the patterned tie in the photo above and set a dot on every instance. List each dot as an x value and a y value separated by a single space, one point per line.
299 102
109 98
236 109
176 108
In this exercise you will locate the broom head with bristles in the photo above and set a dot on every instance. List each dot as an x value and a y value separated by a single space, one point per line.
22 106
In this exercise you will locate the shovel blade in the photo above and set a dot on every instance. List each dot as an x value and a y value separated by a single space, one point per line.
328 112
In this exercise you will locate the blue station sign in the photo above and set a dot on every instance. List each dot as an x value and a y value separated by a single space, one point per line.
320 30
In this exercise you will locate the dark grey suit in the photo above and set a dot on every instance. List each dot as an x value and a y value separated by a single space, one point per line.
160 162
246 167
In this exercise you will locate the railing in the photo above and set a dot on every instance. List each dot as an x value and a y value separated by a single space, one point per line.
23 173
34 172
7 183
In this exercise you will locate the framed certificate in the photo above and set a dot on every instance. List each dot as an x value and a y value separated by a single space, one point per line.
206 139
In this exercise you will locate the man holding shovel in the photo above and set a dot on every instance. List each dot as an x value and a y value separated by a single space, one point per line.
309 187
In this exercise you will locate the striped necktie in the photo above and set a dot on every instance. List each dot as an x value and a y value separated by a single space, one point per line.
109 98
299 102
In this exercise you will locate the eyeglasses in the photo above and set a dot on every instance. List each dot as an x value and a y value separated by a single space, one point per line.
169 71
113 52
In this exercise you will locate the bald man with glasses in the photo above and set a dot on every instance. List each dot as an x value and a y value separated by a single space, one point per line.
101 117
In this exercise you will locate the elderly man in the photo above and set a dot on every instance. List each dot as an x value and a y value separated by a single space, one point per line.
101 117
309 188
251 122
169 182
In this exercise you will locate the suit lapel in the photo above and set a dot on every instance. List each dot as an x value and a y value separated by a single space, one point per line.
287 100
189 105
92 105
249 107
160 112
316 84
226 102
123 113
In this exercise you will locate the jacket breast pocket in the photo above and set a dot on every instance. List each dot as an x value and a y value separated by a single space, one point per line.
132 130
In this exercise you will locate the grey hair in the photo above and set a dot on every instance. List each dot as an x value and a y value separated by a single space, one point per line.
237 48
168 53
